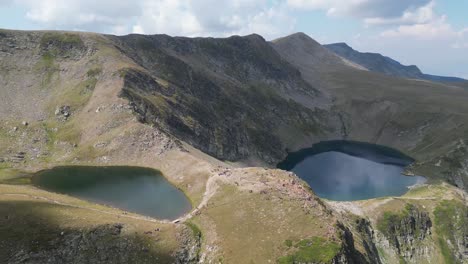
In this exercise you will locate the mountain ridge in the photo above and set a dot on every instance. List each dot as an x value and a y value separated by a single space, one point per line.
379 63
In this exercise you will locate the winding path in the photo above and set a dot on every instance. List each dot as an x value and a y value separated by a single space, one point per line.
210 191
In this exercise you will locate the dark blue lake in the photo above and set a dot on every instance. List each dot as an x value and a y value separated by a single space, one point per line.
139 190
349 170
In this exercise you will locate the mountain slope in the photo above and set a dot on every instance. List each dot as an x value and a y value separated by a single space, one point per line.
76 99
322 59
178 104
379 63
238 99
424 119
233 98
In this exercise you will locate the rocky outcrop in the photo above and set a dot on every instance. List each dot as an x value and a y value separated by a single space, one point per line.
63 112
190 241
18 157
365 230
232 98
65 45
348 253
406 231
359 232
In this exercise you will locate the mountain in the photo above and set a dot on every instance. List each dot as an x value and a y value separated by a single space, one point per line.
383 64
232 98
417 117
215 116
322 60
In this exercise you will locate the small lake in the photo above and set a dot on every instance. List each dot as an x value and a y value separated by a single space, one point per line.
348 170
140 190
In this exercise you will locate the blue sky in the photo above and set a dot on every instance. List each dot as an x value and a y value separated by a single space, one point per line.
432 34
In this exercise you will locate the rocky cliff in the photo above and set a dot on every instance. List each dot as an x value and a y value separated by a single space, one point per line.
406 231
232 98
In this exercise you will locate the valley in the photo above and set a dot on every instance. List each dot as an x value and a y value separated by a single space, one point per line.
215 116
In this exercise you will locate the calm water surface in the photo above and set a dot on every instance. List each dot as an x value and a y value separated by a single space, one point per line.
140 190
347 170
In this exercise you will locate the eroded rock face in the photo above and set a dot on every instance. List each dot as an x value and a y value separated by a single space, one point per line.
406 231
348 253
189 251
233 98
358 234
365 230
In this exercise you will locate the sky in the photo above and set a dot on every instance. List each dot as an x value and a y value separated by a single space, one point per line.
432 34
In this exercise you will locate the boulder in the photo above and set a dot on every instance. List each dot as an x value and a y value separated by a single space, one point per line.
63 112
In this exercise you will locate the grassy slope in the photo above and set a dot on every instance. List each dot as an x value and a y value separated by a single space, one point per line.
84 83
255 212
33 220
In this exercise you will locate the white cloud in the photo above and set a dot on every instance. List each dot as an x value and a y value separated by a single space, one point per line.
167 16
435 29
212 18
404 20
312 4
273 22
422 14
174 17
103 15
363 9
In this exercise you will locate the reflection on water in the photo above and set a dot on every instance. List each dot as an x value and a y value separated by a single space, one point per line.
138 190
339 176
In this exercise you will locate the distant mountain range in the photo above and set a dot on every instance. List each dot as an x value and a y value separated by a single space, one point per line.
378 63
